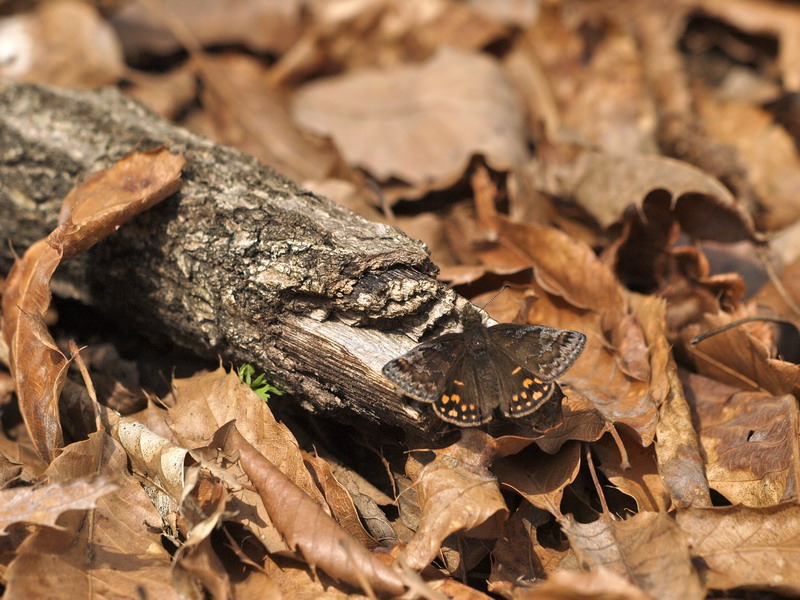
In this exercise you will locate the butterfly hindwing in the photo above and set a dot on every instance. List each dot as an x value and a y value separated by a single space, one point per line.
529 393
423 372
460 402
544 351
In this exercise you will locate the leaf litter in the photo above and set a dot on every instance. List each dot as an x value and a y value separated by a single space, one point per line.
628 170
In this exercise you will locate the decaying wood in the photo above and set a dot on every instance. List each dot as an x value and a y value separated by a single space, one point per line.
241 263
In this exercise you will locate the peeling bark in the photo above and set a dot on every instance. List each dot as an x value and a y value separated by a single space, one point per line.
242 263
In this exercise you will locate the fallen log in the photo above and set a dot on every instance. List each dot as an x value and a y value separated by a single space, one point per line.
241 263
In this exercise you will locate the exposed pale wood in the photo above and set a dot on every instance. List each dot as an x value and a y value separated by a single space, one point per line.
242 263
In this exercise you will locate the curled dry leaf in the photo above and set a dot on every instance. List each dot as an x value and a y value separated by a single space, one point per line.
419 123
680 463
741 546
640 480
581 421
457 492
339 501
203 505
91 211
41 505
606 186
105 551
158 459
519 558
750 441
305 526
538 477
649 548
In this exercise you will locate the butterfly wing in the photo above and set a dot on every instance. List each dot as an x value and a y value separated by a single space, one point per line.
545 352
463 400
423 372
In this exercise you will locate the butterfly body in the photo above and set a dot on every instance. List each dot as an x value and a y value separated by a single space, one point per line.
467 375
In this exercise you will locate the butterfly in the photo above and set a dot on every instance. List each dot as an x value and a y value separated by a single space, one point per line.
467 375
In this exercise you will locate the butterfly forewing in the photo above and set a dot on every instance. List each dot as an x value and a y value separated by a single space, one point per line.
544 351
423 372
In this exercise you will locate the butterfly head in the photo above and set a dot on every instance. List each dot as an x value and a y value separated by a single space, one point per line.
471 317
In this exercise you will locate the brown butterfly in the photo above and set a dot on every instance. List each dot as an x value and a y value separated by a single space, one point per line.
467 375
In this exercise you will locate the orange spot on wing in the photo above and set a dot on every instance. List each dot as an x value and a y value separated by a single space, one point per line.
517 370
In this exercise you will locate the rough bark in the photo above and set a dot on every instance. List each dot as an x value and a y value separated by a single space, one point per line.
241 263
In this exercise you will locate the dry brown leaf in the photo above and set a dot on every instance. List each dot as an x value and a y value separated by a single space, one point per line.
519 557
304 525
203 506
539 477
578 420
248 112
339 501
205 402
775 175
108 551
64 43
419 123
144 27
680 463
166 94
568 268
298 582
42 505
597 375
258 585
743 546
158 460
750 441
365 33
18 449
91 211
740 359
457 493
105 200
772 18
599 584
648 548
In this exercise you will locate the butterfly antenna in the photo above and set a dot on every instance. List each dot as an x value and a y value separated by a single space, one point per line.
493 298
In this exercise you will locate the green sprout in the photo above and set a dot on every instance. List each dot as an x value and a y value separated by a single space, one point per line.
258 384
